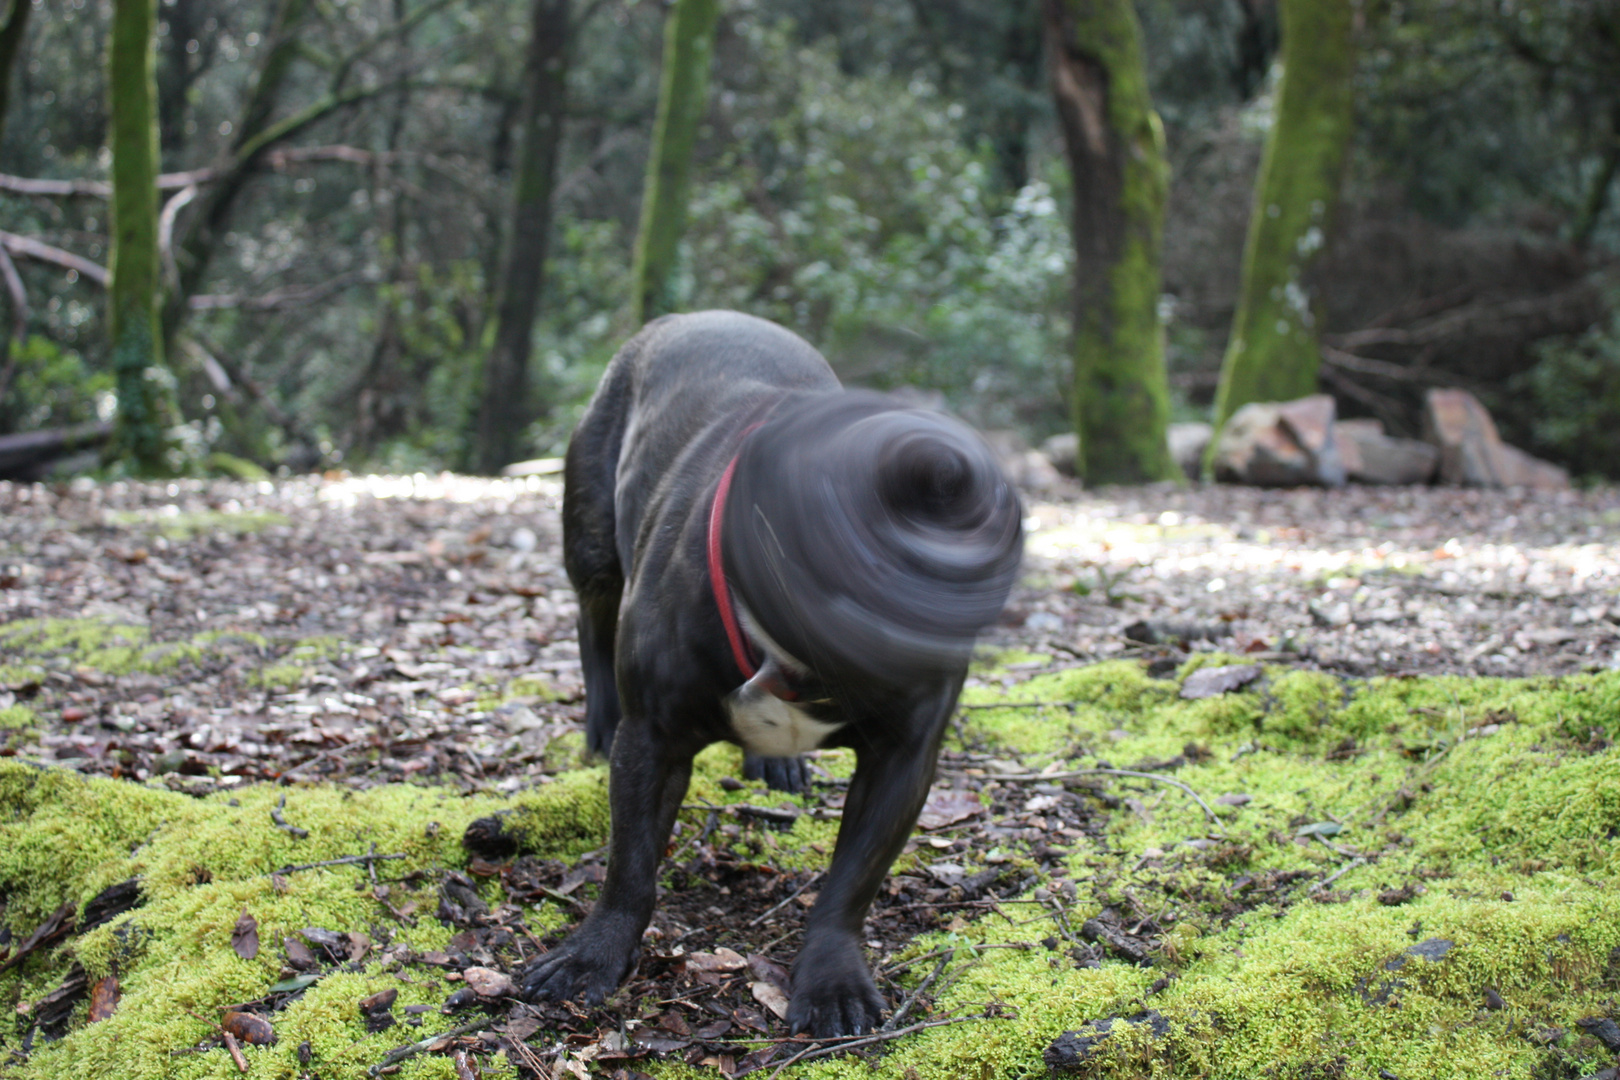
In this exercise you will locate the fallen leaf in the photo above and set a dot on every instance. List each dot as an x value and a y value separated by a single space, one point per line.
104 998
488 983
946 806
298 954
1214 681
380 1002
245 936
722 959
770 997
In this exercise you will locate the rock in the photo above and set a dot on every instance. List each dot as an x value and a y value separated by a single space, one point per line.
1473 454
1061 450
1070 1051
1280 444
1029 469
1187 445
1520 469
1372 457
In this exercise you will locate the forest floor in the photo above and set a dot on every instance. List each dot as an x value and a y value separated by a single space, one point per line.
229 644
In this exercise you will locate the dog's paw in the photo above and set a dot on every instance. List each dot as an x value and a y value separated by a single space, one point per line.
833 996
585 968
790 774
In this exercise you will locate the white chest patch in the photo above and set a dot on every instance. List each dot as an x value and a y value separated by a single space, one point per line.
771 727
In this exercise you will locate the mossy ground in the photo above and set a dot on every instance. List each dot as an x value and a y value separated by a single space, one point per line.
1501 799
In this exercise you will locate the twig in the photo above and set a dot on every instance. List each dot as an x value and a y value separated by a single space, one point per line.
235 1051
1029 778
347 860
895 969
785 900
911 998
281 822
400 1053
1019 705
1343 870
817 1050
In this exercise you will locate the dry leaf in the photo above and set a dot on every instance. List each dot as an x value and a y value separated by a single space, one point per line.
722 959
947 807
770 997
104 998
487 983
245 936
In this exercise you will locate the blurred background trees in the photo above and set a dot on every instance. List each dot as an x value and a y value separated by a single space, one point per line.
360 232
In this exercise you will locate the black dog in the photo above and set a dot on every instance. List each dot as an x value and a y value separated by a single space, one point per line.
806 567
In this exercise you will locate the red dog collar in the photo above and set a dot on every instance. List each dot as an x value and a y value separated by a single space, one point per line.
717 576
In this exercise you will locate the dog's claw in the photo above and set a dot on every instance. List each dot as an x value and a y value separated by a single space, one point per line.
573 972
834 997
789 774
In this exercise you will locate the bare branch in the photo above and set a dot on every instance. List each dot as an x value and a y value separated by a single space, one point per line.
171 210
41 252
285 297
19 299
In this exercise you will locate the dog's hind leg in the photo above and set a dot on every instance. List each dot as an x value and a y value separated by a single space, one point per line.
590 554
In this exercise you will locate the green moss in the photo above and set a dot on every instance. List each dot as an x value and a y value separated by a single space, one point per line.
116 648
1494 795
529 688
200 862
13 717
177 524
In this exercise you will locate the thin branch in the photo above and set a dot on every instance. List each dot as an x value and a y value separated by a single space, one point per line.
171 210
42 252
810 1053
19 299
347 860
285 297
422 1046
19 320
1158 778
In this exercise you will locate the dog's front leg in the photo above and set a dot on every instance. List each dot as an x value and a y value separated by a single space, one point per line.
833 991
646 784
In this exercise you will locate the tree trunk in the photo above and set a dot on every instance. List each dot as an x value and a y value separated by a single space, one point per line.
11 39
1273 354
683 97
1115 148
145 389
207 224
504 408
12 29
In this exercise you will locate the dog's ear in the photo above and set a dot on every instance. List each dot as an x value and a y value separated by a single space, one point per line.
871 540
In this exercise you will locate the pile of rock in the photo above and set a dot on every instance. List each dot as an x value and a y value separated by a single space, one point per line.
1284 444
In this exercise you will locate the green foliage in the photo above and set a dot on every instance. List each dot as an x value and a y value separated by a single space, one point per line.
1575 388
53 387
850 210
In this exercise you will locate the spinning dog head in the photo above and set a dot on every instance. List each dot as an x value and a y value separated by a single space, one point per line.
869 543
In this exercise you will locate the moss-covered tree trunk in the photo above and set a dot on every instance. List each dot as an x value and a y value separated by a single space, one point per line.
145 390
1115 148
1272 354
504 407
683 97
